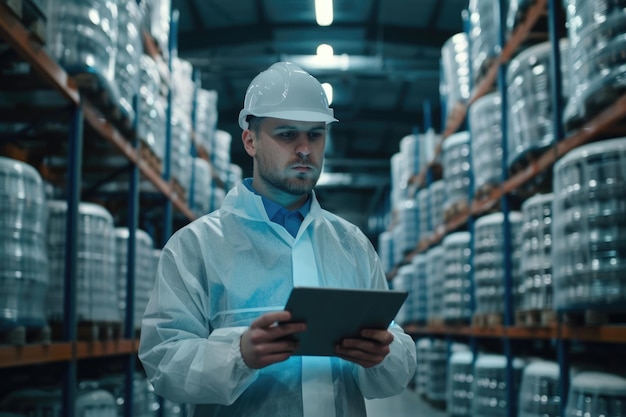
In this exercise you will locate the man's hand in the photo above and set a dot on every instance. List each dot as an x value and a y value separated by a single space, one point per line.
368 350
267 340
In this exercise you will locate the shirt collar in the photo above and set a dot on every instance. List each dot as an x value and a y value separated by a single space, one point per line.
272 208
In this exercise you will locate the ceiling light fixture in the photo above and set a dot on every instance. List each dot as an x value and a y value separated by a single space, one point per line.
325 50
324 12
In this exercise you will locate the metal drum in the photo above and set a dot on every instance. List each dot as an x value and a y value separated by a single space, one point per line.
589 228
24 275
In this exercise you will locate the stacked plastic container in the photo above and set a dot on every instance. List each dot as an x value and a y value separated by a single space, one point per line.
220 154
489 261
200 203
437 199
422 371
485 119
82 36
128 53
24 273
455 85
490 385
589 227
144 271
156 22
403 282
48 402
484 26
437 371
183 87
206 117
407 226
457 293
435 283
460 383
529 84
420 288
596 394
385 250
539 390
152 117
96 285
536 254
455 160
596 31
423 208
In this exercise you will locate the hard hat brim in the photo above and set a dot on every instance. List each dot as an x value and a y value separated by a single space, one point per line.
295 115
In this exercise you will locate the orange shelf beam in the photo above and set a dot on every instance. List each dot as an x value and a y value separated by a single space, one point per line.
95 349
110 133
15 34
12 356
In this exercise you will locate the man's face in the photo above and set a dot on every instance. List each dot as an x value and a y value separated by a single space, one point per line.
288 155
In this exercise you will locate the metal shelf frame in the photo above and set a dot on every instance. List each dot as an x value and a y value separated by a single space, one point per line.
560 335
69 351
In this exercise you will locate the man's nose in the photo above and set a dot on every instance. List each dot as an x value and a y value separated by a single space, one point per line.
303 148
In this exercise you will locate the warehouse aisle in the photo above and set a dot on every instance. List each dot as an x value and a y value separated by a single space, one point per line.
407 404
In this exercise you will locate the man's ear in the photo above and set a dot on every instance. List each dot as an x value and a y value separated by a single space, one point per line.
248 139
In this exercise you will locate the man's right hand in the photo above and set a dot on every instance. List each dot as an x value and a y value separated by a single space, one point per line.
267 340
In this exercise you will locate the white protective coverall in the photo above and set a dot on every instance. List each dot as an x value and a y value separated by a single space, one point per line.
223 270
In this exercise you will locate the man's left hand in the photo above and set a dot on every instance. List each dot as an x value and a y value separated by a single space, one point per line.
368 350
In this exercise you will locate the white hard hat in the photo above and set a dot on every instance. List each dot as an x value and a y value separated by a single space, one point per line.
286 91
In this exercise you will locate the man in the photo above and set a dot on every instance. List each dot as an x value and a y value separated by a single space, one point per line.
215 334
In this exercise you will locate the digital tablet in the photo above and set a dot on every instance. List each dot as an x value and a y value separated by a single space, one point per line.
332 314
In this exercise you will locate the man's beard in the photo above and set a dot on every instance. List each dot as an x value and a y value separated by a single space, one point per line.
303 183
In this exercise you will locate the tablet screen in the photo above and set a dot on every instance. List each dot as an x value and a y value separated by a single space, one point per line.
332 314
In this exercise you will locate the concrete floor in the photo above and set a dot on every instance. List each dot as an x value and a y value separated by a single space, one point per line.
407 404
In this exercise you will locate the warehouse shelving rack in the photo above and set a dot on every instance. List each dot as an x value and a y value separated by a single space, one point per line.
49 74
559 335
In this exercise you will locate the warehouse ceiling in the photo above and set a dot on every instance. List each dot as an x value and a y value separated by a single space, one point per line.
385 76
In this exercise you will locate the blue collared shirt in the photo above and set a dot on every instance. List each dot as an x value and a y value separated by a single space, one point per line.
289 219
